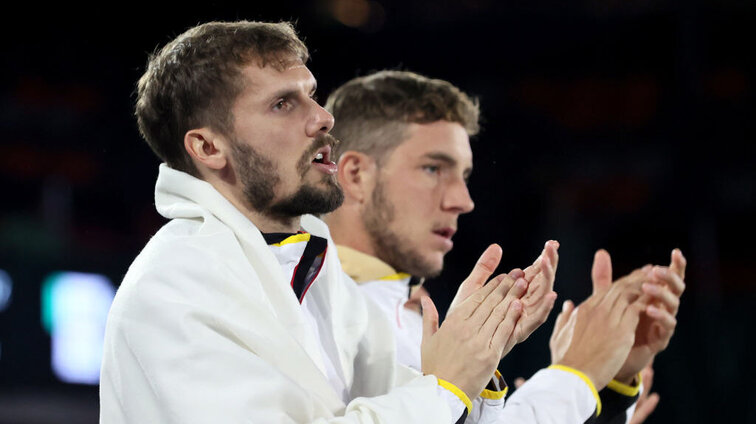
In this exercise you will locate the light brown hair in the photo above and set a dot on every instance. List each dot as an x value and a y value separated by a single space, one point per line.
373 111
194 80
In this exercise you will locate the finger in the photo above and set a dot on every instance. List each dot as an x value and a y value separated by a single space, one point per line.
430 318
482 270
631 316
601 272
631 282
552 251
516 273
537 317
671 278
678 263
661 294
662 316
519 381
533 269
485 266
644 409
626 291
541 284
494 308
502 339
467 308
563 316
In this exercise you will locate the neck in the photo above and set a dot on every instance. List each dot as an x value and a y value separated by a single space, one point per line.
347 229
266 223
269 224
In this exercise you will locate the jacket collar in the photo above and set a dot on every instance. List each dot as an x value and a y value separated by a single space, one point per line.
362 267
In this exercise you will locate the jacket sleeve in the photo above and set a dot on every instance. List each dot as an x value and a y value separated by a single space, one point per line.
618 403
551 396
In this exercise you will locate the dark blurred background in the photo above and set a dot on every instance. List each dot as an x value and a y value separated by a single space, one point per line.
622 125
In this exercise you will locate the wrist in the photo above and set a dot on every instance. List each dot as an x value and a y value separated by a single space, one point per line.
627 380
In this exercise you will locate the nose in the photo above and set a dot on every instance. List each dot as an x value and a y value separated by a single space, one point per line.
457 198
321 121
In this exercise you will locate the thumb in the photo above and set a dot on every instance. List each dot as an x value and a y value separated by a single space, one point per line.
601 273
430 317
483 269
678 263
485 266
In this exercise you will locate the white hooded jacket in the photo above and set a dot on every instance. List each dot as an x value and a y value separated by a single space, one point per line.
205 329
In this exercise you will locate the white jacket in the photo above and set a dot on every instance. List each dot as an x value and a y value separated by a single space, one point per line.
205 329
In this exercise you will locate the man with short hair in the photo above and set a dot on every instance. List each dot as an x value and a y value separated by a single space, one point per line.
404 159
237 310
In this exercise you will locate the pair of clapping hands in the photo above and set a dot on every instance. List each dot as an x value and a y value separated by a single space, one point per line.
613 334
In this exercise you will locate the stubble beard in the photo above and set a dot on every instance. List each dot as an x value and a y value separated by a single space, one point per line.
259 179
389 246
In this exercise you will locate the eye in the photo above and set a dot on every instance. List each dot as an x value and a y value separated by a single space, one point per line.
432 169
282 104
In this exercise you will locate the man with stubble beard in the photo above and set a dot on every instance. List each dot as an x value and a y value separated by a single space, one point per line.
404 161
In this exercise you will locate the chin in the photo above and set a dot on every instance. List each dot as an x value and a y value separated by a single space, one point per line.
434 265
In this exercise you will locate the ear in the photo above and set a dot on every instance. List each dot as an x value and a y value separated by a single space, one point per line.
356 174
206 147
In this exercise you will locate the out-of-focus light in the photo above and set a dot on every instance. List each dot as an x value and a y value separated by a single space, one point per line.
74 310
367 15
352 13
6 290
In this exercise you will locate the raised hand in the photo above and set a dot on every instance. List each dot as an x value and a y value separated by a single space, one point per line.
540 297
466 349
539 278
603 326
657 324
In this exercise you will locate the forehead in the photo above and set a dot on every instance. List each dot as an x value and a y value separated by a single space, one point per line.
440 137
269 80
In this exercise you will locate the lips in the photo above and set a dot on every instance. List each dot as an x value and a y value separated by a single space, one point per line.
446 232
322 161
443 236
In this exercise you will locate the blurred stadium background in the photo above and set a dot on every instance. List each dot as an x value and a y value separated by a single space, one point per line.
611 124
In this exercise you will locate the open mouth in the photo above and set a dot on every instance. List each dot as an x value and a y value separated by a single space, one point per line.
446 232
323 155
322 161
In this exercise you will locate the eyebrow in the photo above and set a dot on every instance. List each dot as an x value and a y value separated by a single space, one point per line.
291 92
443 157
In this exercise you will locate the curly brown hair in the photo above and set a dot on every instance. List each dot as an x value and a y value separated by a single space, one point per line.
194 80
372 112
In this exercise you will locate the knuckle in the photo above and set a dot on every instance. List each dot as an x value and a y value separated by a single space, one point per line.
478 298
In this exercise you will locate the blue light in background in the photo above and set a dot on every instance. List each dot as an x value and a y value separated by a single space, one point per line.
6 290
74 311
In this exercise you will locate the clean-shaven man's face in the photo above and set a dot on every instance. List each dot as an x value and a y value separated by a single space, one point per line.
281 145
420 192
